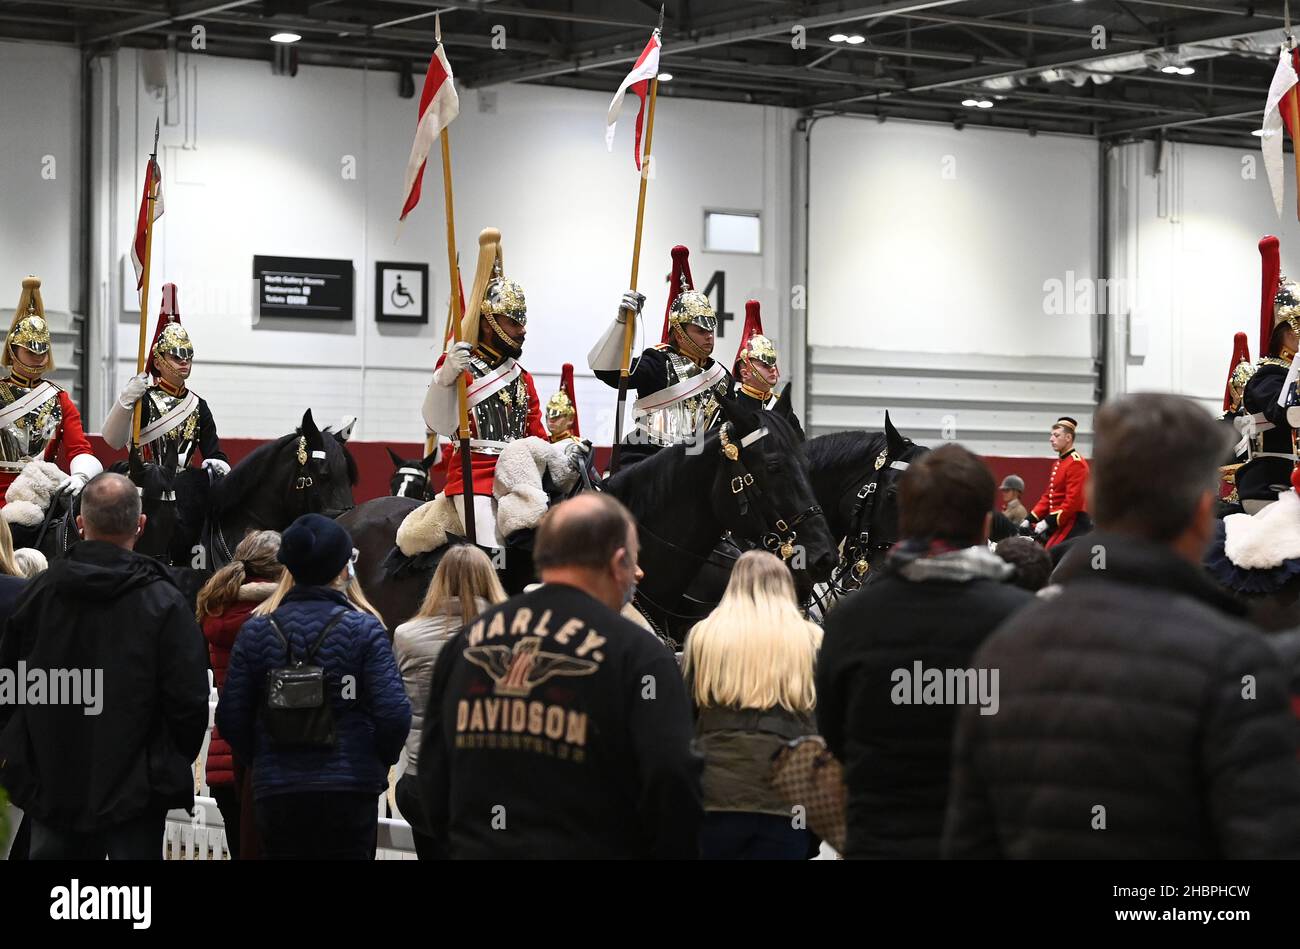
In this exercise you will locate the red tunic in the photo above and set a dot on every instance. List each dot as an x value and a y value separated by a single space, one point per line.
1064 495
68 442
483 466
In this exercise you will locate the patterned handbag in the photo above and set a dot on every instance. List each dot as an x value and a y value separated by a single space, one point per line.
807 775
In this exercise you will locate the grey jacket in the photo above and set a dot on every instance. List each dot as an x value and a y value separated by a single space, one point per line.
416 643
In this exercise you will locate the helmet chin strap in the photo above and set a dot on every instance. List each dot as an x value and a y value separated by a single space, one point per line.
688 347
502 340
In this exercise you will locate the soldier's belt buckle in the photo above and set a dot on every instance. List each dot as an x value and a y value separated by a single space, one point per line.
782 526
739 483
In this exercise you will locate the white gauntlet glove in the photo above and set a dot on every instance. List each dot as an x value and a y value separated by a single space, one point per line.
457 361
216 468
1041 526
631 303
136 386
74 484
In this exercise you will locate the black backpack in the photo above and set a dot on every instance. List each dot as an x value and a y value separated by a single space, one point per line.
298 714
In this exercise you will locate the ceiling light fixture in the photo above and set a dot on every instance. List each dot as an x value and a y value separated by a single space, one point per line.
1169 70
285 38
969 103
838 37
1185 70
665 77
1258 133
984 104
856 38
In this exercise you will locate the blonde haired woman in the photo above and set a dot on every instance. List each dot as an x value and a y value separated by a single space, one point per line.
464 585
749 673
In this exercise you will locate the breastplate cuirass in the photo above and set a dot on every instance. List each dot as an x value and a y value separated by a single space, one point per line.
502 416
174 449
27 436
680 422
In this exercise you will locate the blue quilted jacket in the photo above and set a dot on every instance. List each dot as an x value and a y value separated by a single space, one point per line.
371 722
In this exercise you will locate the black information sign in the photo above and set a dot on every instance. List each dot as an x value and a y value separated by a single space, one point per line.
304 287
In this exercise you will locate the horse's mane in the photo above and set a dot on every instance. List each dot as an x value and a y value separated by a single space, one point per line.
354 475
655 479
231 491
843 449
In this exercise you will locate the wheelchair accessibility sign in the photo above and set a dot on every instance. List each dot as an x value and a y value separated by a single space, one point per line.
401 292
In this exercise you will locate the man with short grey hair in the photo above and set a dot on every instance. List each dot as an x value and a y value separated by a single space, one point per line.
1139 716
97 761
556 728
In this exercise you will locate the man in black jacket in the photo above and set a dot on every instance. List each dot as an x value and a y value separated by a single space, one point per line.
1140 717
556 728
103 692
895 664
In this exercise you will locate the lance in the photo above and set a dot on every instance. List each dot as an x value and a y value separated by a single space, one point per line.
466 464
151 171
630 328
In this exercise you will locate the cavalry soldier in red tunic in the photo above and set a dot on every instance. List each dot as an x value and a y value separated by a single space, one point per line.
680 386
1059 513
176 426
502 399
38 421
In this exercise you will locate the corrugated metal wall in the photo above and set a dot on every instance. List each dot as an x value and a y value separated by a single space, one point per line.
994 405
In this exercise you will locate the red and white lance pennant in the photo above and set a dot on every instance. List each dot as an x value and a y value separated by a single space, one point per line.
152 176
638 80
439 105
1280 111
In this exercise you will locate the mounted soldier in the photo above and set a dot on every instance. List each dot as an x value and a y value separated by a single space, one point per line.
38 424
1268 473
503 403
176 427
679 385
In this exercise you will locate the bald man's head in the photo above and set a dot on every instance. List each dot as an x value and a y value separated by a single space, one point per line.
585 531
110 510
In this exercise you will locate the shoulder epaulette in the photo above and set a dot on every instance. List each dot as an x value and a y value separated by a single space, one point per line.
661 347
1076 456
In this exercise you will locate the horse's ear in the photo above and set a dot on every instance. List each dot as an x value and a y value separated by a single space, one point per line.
784 407
343 430
309 429
895 442
738 414
398 461
429 461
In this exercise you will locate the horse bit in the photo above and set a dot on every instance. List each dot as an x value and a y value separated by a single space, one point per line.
781 540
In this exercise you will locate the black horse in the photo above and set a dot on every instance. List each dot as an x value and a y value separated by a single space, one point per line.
684 498
855 478
411 476
303 472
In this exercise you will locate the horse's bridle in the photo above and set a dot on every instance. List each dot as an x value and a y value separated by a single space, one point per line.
855 556
411 476
303 481
779 538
